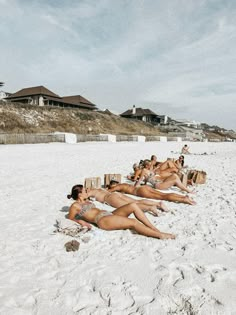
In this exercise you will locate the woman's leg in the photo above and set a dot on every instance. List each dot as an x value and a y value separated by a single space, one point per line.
117 200
164 174
149 192
148 205
116 222
168 165
130 208
173 180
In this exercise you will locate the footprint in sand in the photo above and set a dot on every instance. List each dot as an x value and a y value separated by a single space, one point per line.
87 297
211 273
118 296
224 245
182 289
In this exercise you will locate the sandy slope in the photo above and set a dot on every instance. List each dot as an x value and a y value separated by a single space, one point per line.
115 272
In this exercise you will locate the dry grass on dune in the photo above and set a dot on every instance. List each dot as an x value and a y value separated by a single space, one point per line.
29 119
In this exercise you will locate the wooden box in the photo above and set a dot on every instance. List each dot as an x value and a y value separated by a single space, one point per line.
92 182
109 177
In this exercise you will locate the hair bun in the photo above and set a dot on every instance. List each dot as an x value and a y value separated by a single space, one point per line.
69 196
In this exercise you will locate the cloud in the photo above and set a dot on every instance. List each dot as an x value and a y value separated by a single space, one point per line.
178 57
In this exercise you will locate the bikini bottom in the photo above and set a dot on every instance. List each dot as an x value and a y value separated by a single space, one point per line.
154 182
105 199
101 215
136 190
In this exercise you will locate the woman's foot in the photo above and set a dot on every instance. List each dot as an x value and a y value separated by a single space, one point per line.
153 210
189 201
163 206
190 191
166 236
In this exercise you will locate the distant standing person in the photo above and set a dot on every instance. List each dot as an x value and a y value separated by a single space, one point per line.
185 149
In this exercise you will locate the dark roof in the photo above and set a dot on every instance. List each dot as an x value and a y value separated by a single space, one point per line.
139 112
36 90
107 112
75 100
56 99
78 100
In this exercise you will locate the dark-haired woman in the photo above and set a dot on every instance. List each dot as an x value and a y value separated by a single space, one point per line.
158 181
180 162
85 212
146 191
117 200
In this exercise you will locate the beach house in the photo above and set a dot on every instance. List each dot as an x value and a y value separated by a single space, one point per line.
41 96
145 115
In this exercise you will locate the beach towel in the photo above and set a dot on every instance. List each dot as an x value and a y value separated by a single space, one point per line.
70 228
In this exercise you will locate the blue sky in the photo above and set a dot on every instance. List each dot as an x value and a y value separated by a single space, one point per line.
176 57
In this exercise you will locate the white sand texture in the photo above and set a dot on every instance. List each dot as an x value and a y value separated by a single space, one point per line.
114 272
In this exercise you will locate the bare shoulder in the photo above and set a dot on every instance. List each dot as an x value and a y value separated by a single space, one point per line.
75 206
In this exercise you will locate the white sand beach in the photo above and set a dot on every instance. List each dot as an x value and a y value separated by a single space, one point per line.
115 272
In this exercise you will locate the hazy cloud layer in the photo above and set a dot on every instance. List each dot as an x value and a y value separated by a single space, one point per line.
176 57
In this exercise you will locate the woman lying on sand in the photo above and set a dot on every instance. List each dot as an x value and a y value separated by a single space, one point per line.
146 191
137 168
159 167
164 169
162 180
117 200
85 212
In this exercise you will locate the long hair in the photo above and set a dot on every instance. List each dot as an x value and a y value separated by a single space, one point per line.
75 191
182 160
146 162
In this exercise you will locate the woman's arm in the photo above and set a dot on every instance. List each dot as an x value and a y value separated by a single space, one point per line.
114 188
84 223
142 175
72 214
137 174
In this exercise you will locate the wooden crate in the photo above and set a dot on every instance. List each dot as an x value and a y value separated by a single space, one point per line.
109 177
92 182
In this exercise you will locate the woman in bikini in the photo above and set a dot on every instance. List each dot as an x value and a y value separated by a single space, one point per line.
85 212
180 162
146 191
137 168
160 181
117 200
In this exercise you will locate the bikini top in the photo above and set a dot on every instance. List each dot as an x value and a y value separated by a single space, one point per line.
84 208
150 175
